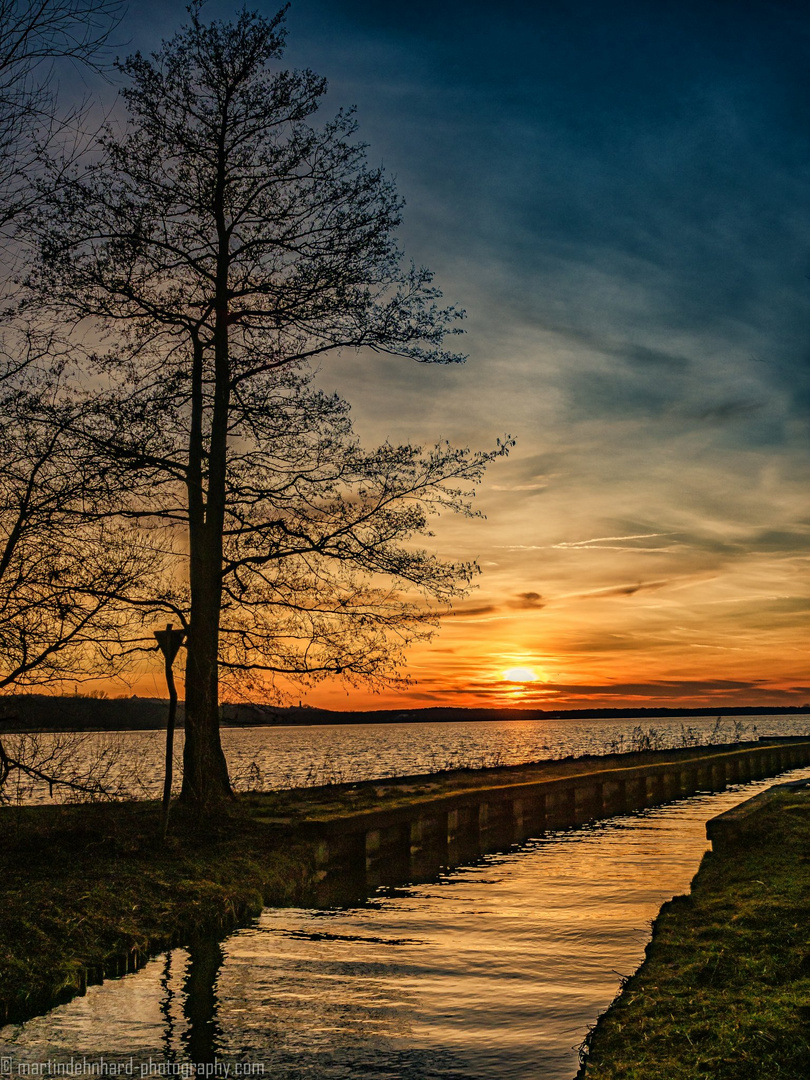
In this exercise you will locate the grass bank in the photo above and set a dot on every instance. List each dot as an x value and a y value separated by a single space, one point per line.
88 891
724 991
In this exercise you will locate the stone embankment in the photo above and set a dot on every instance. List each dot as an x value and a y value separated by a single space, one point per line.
413 829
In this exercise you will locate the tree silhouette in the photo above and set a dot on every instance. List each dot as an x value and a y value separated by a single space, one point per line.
62 576
221 241
57 577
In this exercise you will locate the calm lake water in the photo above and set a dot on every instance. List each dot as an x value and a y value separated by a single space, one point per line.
493 971
262 757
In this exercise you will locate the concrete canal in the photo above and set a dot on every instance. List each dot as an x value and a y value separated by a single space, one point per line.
478 935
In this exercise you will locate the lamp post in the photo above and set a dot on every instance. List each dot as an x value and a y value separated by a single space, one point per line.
169 642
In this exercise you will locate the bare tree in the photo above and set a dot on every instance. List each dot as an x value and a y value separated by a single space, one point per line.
44 617
63 574
221 238
319 561
59 575
322 569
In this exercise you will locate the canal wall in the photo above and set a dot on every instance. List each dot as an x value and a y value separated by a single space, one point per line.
431 831
747 822
88 892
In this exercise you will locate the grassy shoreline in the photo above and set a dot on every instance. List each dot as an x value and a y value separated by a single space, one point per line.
89 891
724 991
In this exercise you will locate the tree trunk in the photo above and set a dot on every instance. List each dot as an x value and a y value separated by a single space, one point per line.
205 772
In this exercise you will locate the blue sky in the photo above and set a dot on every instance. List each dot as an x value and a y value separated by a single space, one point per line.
619 195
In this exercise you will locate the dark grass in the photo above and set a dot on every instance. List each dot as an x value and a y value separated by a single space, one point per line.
724 993
88 891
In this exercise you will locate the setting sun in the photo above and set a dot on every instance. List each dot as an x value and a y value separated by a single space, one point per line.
520 674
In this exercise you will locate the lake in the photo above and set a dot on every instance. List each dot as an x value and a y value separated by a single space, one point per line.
273 757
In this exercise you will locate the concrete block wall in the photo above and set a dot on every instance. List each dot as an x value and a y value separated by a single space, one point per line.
415 841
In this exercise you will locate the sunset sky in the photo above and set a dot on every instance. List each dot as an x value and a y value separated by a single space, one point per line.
619 195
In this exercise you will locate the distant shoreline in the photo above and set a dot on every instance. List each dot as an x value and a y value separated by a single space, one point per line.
40 712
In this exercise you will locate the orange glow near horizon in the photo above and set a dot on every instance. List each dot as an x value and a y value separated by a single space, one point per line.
715 644
572 611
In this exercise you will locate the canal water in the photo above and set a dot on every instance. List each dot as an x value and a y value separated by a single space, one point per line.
492 971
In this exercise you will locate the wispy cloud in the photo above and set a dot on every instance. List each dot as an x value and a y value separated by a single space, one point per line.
468 612
623 590
601 540
622 209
